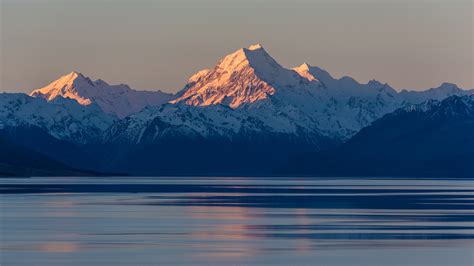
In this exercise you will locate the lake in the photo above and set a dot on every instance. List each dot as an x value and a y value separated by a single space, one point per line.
236 221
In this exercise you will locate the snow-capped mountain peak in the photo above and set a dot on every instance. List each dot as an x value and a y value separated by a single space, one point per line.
119 100
263 96
439 93
72 85
263 65
304 70
244 76
61 117
305 98
316 73
255 46
448 88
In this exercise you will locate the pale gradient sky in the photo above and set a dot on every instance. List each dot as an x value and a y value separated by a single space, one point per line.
160 44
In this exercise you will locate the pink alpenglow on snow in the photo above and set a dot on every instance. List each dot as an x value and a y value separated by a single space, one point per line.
245 76
119 100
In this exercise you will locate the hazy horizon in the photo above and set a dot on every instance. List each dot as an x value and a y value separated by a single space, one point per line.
153 45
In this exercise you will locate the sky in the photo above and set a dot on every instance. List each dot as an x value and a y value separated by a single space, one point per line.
151 45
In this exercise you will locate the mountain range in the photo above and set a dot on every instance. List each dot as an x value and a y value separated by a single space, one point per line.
435 138
119 100
246 115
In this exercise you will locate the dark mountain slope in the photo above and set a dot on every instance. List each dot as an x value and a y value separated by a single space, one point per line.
37 140
16 160
430 139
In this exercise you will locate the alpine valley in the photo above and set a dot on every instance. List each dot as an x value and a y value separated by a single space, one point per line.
247 115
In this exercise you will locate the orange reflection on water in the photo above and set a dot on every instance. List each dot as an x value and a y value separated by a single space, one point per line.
219 213
59 247
303 244
230 224
60 204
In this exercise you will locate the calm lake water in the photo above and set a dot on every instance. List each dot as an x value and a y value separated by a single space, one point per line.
236 221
